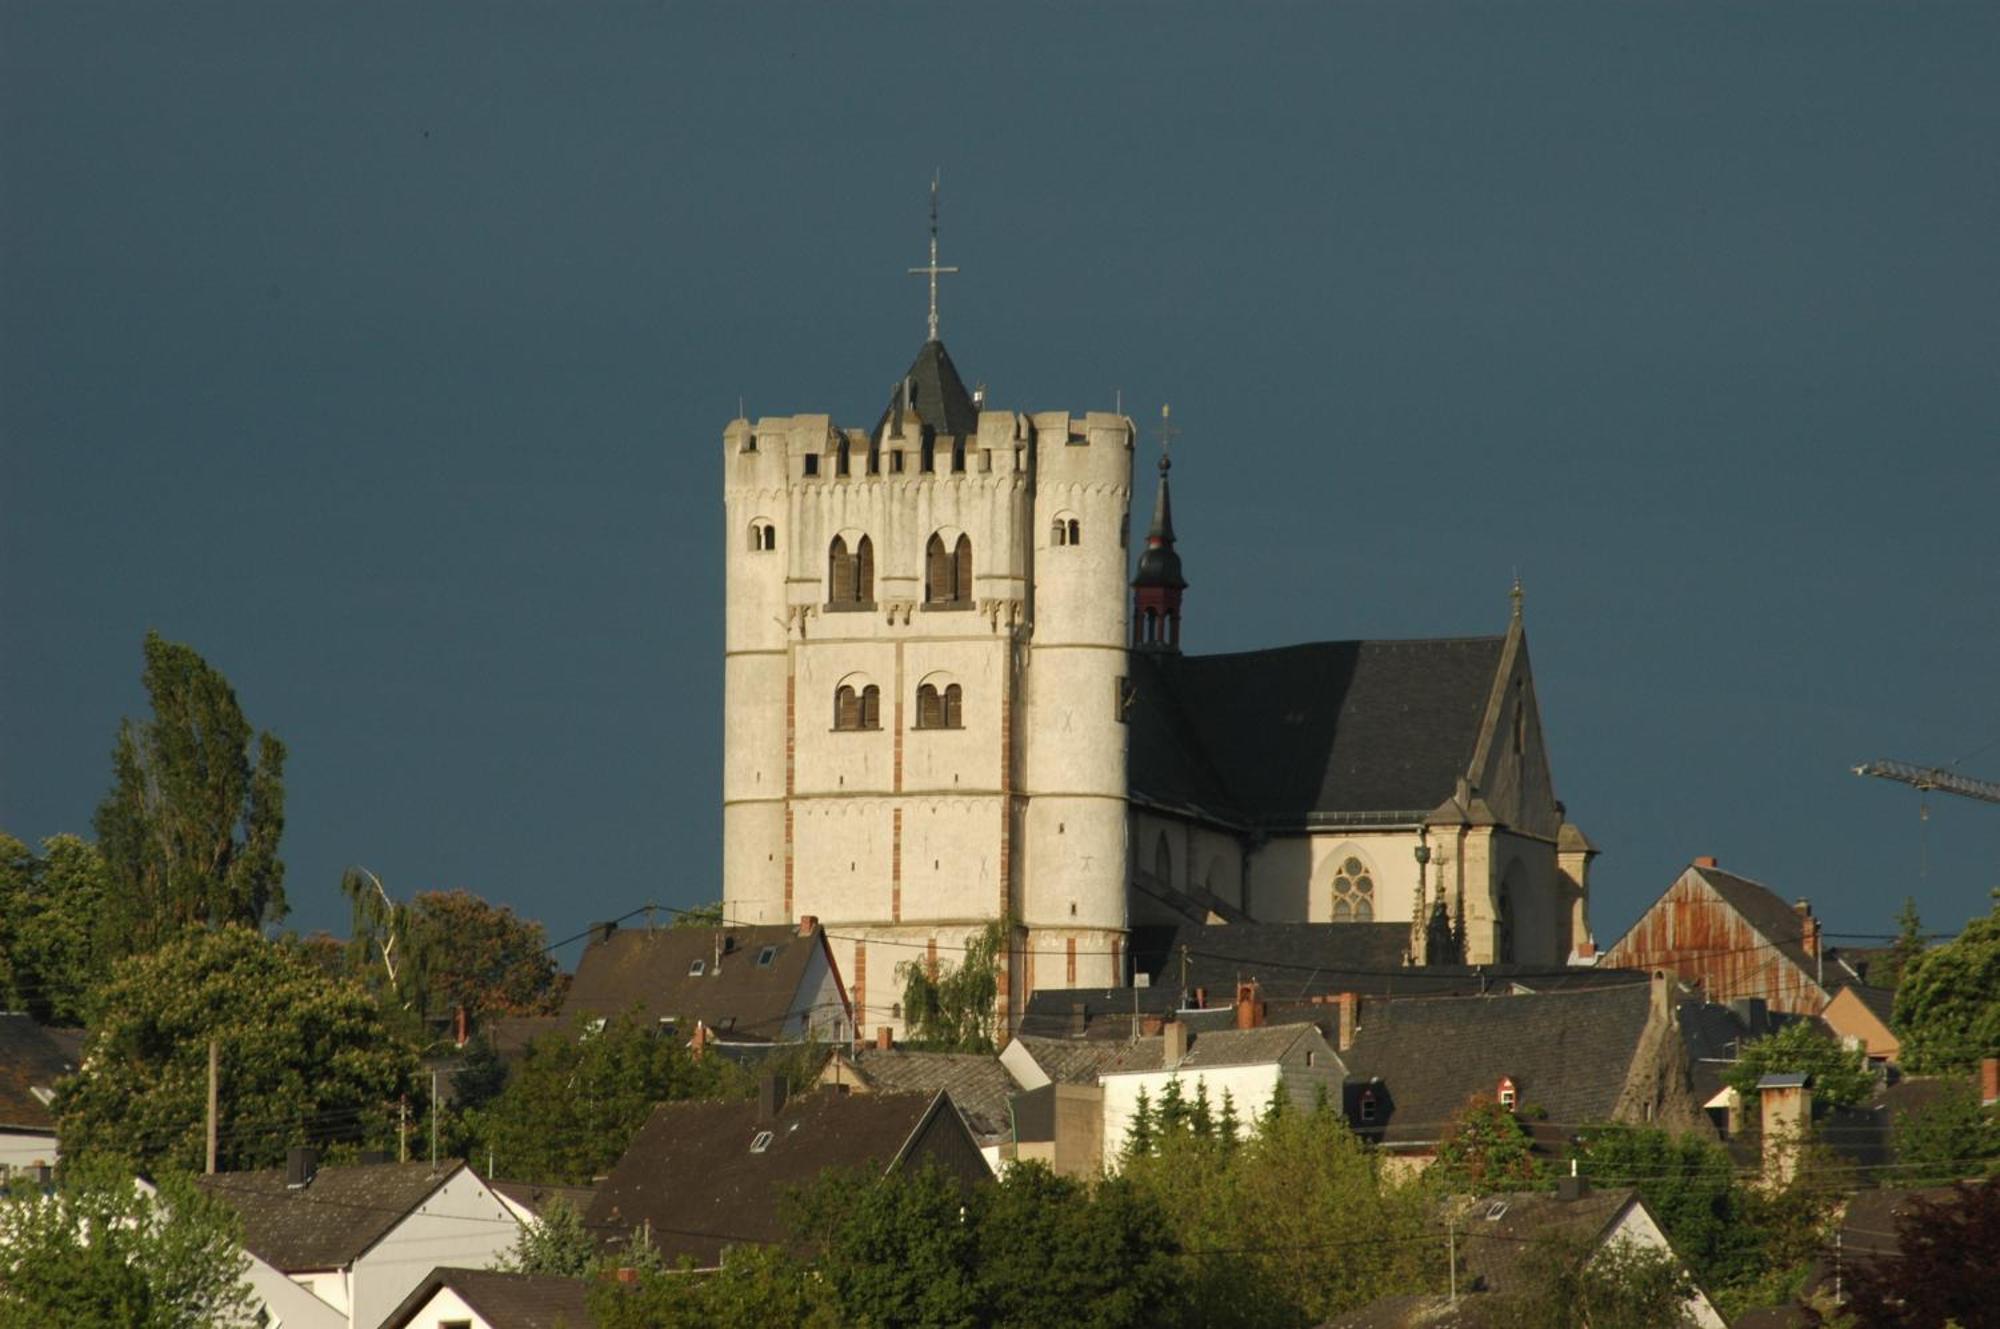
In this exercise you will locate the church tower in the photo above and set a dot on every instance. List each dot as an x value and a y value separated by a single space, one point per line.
1158 585
925 650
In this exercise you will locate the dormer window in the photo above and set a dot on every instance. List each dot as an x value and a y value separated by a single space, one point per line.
1370 1105
765 956
697 968
760 1142
1507 1095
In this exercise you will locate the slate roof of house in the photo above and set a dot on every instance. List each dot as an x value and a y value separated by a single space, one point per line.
939 398
1287 959
331 1222
503 1301
1764 910
977 1083
1495 1249
535 1196
652 969
1221 1047
1568 1053
1879 1002
1070 1060
1286 736
692 1173
30 1059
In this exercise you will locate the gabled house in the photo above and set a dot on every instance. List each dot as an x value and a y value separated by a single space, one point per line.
977 1083
359 1237
1562 1059
757 985
701 1177
488 1299
1861 1013
1736 938
32 1060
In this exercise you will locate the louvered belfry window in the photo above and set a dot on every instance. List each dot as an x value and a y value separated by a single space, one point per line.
954 710
948 571
871 707
864 571
846 708
839 573
930 708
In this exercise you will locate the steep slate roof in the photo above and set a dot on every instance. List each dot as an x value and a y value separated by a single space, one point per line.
939 399
1495 1250
334 1220
1070 1060
691 1175
1286 736
649 969
977 1083
1287 959
504 1301
30 1059
1221 1047
1764 911
1568 1053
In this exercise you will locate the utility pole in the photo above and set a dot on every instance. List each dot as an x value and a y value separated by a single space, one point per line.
434 1119
403 1129
214 1096
1451 1253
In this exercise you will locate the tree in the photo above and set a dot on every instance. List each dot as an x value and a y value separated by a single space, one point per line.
102 1252
1565 1285
1948 1005
1946 1265
1139 1128
54 948
1690 1185
1052 1250
1839 1075
190 828
555 1243
894 1250
1949 1138
955 1010
1908 946
304 1058
449 949
757 1286
579 1096
1484 1148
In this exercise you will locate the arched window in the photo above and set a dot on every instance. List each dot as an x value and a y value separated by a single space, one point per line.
839 573
961 559
1058 533
763 536
958 456
930 708
954 707
871 707
846 708
1163 862
948 571
927 454
1075 531
864 571
1353 893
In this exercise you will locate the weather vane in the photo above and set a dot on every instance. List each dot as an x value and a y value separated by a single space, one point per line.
1168 433
933 271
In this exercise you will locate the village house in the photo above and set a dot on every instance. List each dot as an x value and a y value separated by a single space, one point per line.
701 1177
488 1299
32 1060
1245 1068
1736 938
726 985
1860 1013
359 1237
977 1083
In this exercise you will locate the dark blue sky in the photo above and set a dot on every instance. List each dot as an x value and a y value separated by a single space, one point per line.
382 354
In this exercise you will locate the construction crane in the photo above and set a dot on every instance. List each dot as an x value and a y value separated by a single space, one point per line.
1928 778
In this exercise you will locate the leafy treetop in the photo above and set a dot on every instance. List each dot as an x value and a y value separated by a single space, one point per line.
1948 1003
1839 1075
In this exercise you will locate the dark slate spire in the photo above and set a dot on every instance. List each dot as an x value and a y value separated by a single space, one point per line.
931 395
1157 587
1160 565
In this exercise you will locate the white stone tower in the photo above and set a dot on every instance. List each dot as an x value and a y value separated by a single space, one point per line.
925 655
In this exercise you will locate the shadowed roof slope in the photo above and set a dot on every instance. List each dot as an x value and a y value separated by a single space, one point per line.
977 1083
937 398
1285 736
1287 959
1496 1250
1568 1053
652 969
29 1060
504 1301
331 1222
1220 1047
695 1177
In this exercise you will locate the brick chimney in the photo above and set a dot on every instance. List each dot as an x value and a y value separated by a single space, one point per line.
1707 861
1808 926
1785 1104
770 1097
884 1038
1249 1007
1350 1020
1989 1080
1175 1051
808 924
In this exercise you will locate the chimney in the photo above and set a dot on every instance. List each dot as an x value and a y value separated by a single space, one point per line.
601 932
1989 1081
1808 926
1707 861
884 1038
1572 1188
460 1027
1175 1052
699 1043
1663 995
1151 1025
1785 1109
808 924
770 1097
1079 1019
301 1163
1249 1010
1350 1020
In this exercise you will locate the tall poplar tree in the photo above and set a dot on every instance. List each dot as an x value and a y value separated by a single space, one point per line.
190 828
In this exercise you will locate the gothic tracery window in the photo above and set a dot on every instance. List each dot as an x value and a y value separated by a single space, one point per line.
1353 893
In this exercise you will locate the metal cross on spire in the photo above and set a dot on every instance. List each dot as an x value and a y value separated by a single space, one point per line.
1169 431
933 271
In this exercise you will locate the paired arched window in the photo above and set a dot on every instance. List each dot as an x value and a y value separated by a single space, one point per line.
1353 893
857 708
763 536
1066 531
850 577
940 708
948 571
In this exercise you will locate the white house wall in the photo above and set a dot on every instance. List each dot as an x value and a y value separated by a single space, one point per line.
446 1307
1249 1088
463 1224
1636 1227
290 1304
25 1149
